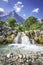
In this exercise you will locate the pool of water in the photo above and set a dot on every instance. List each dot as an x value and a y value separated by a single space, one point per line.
25 45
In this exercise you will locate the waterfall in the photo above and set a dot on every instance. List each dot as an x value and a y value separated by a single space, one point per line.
18 38
25 39
23 42
21 38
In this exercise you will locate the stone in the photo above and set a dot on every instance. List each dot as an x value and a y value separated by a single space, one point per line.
20 56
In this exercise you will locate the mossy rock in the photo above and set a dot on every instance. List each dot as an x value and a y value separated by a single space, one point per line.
10 38
36 38
41 39
27 33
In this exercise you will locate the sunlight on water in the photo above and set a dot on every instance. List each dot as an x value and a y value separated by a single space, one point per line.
24 44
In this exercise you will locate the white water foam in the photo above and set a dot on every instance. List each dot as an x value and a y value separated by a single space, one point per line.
25 44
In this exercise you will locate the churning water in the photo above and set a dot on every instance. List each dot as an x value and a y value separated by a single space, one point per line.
22 42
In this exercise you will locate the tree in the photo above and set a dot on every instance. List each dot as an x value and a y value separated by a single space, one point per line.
35 26
32 19
29 21
19 27
2 22
11 22
26 24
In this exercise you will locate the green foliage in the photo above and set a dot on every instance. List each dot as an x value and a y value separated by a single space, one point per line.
11 22
27 24
41 26
19 27
35 26
29 21
2 22
32 19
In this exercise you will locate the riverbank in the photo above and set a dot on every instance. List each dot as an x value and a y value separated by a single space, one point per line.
21 52
35 35
9 37
22 58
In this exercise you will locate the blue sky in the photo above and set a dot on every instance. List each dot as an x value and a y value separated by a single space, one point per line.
24 8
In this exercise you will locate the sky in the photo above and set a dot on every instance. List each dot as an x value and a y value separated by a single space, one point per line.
24 8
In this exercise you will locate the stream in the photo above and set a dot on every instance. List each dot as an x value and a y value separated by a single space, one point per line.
22 43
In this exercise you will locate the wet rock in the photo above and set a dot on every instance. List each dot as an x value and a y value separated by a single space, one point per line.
20 56
37 35
1 38
22 59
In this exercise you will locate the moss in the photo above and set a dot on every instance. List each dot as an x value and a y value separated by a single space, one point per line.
10 38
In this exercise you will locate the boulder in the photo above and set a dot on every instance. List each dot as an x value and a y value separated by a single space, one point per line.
10 38
1 38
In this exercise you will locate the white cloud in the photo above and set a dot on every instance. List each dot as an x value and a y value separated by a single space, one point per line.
24 15
36 10
19 2
18 6
5 0
1 11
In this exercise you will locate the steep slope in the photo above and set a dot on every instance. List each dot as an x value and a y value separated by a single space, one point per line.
14 15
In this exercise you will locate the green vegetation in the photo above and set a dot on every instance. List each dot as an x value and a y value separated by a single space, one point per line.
31 19
35 26
10 29
31 23
11 22
19 27
2 22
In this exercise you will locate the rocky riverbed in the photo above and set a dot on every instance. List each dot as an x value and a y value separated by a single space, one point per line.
25 58
23 50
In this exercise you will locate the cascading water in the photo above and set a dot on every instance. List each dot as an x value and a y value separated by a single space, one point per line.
18 38
21 38
25 43
25 39
22 42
